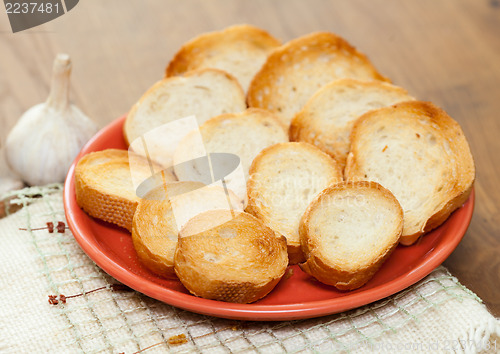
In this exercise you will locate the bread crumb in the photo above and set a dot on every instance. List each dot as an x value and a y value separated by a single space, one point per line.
289 273
177 340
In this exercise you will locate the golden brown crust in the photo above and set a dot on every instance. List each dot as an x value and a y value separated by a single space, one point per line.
342 280
317 264
261 115
194 52
103 186
154 235
95 201
240 260
108 208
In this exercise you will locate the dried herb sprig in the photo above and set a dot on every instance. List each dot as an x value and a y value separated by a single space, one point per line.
56 299
61 227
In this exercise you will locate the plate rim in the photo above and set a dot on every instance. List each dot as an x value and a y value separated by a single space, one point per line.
254 312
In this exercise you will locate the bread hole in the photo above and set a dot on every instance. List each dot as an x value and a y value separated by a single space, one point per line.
202 87
163 97
172 236
227 232
305 193
374 104
211 257
101 160
447 147
153 107
432 139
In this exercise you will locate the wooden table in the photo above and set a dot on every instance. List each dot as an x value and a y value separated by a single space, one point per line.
445 51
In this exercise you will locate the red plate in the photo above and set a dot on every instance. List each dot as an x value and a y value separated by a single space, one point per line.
299 296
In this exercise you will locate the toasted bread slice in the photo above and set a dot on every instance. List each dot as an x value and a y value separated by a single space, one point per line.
294 71
327 118
163 211
229 257
244 134
284 179
421 155
104 187
348 231
204 93
240 50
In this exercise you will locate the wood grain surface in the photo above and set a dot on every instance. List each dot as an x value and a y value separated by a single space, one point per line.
444 51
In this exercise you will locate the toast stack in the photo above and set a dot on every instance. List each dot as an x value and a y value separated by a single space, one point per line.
322 163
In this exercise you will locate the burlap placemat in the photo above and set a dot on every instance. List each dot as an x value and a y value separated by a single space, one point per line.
39 257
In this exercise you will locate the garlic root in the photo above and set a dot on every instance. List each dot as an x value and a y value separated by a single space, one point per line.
47 138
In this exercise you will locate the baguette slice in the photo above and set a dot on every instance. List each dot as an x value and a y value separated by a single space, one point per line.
104 188
421 155
204 93
244 134
348 232
284 179
240 50
294 71
327 118
239 260
162 212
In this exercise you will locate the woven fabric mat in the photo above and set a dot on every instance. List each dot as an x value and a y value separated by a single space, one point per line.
437 314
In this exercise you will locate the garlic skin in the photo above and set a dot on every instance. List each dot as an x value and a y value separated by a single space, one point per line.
47 138
8 180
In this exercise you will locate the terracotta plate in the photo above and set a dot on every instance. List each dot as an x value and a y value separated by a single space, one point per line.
295 297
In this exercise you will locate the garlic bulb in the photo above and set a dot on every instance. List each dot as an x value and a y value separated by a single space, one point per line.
47 138
8 181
